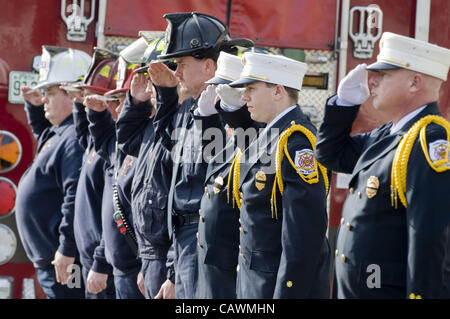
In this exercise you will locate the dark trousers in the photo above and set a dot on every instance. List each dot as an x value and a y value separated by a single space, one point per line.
155 273
185 243
126 286
53 290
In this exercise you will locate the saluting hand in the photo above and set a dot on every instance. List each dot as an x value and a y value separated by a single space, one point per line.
206 102
161 75
230 98
95 104
76 96
354 88
140 89
32 96
62 267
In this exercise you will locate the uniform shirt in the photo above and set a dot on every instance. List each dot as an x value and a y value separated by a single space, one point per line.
88 201
46 191
117 251
138 135
192 163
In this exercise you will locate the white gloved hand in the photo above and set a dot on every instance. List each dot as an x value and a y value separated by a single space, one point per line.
206 102
230 98
354 88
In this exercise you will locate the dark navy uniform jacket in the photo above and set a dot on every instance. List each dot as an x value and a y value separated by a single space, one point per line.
46 192
218 229
283 254
193 161
138 135
117 251
88 202
407 248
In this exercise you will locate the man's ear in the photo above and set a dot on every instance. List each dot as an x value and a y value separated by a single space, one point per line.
210 66
417 82
279 92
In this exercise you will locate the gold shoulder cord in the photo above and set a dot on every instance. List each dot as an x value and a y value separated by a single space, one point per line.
236 165
403 152
282 150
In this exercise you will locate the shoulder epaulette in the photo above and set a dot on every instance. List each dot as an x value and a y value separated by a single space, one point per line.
282 150
403 152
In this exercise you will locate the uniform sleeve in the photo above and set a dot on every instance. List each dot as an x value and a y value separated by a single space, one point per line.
428 220
81 124
131 125
67 176
304 225
36 119
335 148
103 131
100 264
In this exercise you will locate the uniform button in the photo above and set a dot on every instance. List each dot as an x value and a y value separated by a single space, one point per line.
241 201
206 189
237 268
239 247
199 211
239 221
196 235
349 226
207 194
359 194
241 194
202 219
342 221
199 245
351 190
242 230
343 258
336 252
242 255
289 284
150 201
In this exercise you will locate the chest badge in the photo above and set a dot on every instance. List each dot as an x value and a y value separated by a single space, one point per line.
218 184
260 180
372 186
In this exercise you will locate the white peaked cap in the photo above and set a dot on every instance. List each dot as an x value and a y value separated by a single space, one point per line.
229 68
275 69
397 51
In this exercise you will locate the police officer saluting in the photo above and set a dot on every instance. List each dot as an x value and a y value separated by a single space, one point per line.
280 188
394 237
195 41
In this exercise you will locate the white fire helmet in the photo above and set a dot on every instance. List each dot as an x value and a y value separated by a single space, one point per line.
60 64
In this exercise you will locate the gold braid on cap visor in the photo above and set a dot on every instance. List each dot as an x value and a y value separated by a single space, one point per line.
403 152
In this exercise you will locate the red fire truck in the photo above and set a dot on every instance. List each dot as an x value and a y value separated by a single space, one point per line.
331 36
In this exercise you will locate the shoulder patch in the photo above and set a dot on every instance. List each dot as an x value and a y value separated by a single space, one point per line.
304 161
437 151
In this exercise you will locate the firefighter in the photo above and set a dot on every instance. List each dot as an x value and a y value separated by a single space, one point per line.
136 137
195 41
97 271
218 234
393 240
280 188
46 192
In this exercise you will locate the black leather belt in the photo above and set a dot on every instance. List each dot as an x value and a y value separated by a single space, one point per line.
180 218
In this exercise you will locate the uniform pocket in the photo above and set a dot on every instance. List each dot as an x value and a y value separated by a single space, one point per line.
219 257
265 261
151 219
